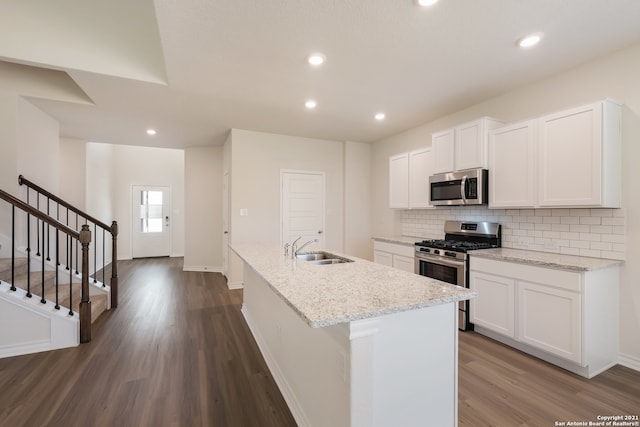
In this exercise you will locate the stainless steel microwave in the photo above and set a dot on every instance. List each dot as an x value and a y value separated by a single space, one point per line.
466 187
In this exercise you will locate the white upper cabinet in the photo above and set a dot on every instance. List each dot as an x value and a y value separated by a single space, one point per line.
462 147
409 179
579 157
512 166
442 144
571 158
420 168
399 181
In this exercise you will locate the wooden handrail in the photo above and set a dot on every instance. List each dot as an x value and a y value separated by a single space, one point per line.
84 237
24 181
113 229
38 214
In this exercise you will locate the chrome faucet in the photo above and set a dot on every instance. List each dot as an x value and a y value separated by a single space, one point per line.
295 252
294 247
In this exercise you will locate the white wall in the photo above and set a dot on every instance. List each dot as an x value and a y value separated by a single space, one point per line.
73 168
112 170
357 200
203 209
256 161
29 137
614 76
37 139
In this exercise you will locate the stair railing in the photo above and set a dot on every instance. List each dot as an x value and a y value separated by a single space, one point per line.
72 217
83 238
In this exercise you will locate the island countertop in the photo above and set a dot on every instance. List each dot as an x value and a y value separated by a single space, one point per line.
324 295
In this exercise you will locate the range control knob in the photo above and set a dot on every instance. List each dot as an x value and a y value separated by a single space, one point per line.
437 252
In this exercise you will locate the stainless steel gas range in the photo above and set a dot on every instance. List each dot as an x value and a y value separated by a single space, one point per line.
447 259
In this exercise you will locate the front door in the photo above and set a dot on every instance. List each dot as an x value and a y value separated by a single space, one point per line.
302 211
151 222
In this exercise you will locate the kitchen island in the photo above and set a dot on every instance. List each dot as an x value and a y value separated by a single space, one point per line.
354 344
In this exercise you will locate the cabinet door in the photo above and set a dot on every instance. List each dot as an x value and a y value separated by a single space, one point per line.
549 319
512 166
570 157
470 146
420 167
404 263
399 181
495 306
442 144
384 258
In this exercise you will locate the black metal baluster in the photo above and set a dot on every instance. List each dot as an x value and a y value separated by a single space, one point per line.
69 254
103 257
70 279
38 226
42 299
95 255
57 269
28 250
48 234
13 248
58 218
77 249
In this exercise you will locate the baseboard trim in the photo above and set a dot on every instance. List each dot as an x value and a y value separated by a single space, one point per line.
629 361
287 393
202 269
235 285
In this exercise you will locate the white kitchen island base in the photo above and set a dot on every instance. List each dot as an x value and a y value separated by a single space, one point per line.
397 369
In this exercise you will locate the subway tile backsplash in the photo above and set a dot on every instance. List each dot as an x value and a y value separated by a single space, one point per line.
598 233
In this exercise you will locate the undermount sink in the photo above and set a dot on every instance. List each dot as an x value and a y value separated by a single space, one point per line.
322 258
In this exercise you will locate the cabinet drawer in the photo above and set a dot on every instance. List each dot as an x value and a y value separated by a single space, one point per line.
562 279
404 250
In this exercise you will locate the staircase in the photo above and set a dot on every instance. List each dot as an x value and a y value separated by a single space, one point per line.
67 295
45 304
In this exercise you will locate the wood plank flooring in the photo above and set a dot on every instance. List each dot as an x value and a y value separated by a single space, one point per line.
177 352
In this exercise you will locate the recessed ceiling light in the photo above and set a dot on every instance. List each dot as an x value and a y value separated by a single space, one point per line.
151 132
310 104
530 40
316 59
426 3
379 116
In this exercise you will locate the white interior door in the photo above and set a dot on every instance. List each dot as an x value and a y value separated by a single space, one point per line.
225 224
303 207
150 221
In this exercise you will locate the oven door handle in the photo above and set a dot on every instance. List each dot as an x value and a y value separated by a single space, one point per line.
441 260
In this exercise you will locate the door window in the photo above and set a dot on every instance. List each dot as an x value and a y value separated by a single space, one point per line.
150 211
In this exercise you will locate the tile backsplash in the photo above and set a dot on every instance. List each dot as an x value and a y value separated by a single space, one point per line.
599 233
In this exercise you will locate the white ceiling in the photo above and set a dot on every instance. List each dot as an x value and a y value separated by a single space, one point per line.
193 69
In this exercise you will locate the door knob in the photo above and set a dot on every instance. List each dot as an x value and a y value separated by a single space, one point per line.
319 231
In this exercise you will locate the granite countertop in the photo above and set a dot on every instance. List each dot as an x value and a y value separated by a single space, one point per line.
402 240
324 295
546 259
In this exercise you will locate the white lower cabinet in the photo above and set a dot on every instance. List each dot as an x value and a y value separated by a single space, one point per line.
394 255
496 309
549 319
568 318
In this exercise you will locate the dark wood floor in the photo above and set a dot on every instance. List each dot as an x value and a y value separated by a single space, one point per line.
177 352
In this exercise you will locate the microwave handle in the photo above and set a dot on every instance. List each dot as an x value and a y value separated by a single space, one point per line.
463 189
